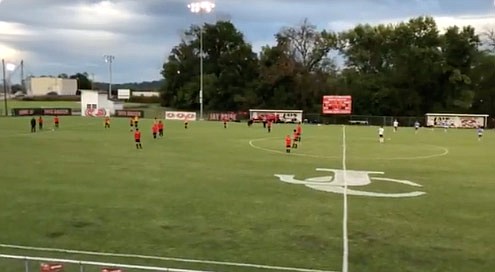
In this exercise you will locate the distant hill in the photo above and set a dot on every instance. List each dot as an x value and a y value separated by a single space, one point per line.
137 86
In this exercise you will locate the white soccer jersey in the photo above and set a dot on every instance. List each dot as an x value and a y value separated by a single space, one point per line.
381 131
396 124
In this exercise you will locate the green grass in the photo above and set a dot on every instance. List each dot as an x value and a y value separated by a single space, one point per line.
205 193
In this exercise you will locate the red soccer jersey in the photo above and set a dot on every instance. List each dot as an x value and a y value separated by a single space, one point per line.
40 120
137 135
287 140
299 129
56 120
160 125
154 128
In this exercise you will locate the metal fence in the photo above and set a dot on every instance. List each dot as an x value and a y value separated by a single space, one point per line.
35 264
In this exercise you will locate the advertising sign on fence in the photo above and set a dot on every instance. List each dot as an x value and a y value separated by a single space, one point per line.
337 104
129 113
180 115
456 120
217 116
112 270
40 111
51 267
277 116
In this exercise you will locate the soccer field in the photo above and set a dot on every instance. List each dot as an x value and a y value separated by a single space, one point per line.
209 193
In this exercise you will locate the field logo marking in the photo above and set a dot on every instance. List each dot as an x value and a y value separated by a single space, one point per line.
335 183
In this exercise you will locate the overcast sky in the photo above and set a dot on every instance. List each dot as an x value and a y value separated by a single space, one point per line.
68 36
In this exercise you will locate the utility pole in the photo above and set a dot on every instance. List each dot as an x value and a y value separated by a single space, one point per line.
4 88
23 83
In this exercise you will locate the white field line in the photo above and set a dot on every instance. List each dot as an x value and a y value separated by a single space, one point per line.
145 257
345 255
444 152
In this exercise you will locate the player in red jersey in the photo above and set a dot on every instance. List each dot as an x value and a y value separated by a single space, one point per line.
269 125
225 120
299 132
40 122
154 130
287 143
294 139
137 138
160 128
56 120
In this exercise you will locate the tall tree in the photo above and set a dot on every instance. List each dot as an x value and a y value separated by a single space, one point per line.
230 67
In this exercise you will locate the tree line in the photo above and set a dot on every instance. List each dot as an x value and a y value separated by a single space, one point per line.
404 69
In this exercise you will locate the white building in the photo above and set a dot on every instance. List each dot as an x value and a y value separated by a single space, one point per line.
96 104
43 85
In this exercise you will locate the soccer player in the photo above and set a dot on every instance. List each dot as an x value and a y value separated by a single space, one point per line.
287 143
136 121
160 128
299 132
186 123
107 122
396 125
445 125
131 122
137 139
33 125
269 125
480 133
416 126
40 122
381 131
294 141
56 120
154 130
225 120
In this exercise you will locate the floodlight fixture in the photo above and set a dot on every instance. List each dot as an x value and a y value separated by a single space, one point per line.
201 7
10 67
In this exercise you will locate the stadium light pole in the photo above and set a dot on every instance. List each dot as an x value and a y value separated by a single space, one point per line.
4 88
109 59
201 7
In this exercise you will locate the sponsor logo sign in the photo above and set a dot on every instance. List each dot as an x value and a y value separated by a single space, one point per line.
95 112
41 111
222 116
335 183
129 113
180 115
52 267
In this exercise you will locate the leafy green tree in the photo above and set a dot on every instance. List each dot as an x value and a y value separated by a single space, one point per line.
230 67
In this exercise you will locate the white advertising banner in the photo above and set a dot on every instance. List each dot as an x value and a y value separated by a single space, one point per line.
278 116
180 115
456 120
123 94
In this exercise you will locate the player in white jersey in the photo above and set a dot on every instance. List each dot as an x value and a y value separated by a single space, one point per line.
396 125
445 125
480 133
380 134
416 126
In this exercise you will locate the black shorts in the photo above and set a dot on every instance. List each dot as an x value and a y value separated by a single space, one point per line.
160 131
136 124
381 136
137 140
287 146
132 125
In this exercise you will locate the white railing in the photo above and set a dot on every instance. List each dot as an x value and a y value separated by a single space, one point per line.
81 264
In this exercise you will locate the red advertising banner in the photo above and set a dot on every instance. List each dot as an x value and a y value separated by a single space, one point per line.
337 104
51 267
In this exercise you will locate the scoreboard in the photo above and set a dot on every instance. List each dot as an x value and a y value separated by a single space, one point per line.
337 104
